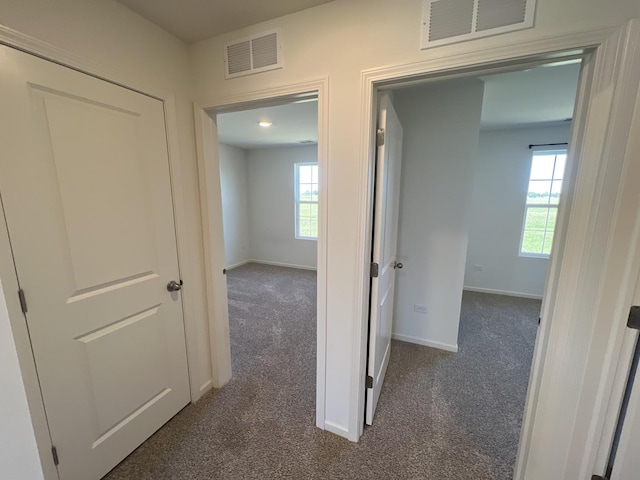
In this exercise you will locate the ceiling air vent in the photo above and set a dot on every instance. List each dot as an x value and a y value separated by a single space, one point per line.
452 21
254 54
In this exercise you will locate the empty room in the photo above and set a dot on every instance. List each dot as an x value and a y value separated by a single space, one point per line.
482 163
270 188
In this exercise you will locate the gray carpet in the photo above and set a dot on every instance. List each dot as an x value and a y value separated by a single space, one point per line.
440 416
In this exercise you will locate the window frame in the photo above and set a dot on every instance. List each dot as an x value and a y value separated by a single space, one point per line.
297 202
539 151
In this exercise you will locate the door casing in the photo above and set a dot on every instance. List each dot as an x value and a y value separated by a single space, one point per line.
211 210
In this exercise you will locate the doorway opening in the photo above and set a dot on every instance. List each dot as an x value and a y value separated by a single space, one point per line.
270 192
469 180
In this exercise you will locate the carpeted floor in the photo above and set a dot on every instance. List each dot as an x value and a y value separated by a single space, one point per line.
440 416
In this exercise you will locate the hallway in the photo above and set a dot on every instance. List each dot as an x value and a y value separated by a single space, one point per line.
441 415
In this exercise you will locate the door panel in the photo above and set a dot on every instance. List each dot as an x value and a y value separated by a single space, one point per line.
385 234
85 182
111 170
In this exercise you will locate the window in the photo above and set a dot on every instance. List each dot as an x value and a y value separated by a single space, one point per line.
543 196
306 200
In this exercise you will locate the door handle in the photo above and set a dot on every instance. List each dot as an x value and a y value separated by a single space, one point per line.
174 286
397 265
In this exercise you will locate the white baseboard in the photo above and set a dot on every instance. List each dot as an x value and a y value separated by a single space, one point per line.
239 264
206 386
280 264
337 429
423 341
503 292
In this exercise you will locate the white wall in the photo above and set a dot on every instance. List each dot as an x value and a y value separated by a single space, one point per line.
339 40
498 204
234 183
272 208
441 127
18 452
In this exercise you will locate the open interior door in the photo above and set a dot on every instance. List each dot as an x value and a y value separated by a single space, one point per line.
385 233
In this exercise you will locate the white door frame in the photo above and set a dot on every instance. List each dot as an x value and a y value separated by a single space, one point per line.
211 208
570 382
30 45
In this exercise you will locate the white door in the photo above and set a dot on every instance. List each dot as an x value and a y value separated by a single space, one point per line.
385 234
84 177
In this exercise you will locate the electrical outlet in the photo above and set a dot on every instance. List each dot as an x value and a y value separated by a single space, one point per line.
419 308
477 268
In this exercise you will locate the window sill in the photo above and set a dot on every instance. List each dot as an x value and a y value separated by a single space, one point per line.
534 255
314 239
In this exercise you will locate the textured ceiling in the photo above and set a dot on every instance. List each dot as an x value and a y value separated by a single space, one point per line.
194 20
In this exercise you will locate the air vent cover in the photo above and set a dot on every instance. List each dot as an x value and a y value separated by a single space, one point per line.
254 54
451 21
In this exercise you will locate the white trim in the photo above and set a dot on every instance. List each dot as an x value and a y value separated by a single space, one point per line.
213 242
503 292
206 150
563 413
424 342
206 386
335 428
33 46
281 264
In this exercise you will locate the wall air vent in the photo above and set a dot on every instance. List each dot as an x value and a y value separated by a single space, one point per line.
452 21
254 54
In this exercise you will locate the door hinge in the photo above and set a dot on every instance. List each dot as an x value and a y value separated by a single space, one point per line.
634 318
369 382
54 453
224 271
380 137
374 270
539 320
23 300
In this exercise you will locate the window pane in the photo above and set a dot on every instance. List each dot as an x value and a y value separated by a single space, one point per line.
305 210
305 192
561 161
542 167
306 200
304 174
551 222
532 241
555 192
536 219
538 191
305 227
548 241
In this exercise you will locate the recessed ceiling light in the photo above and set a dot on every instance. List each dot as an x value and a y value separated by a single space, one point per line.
265 123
